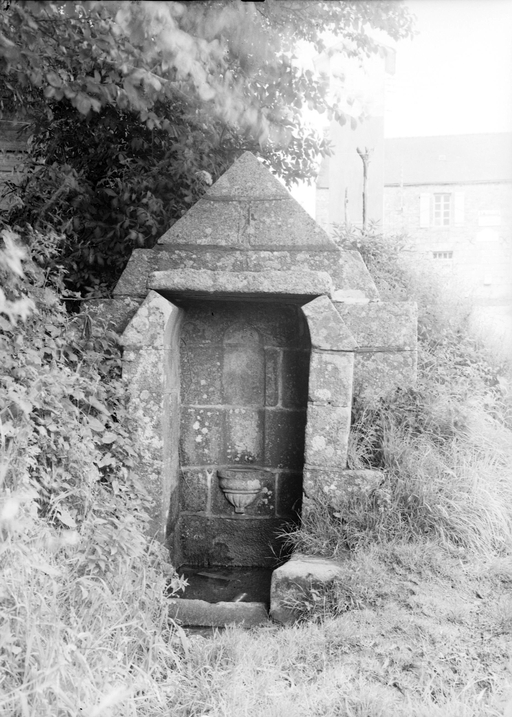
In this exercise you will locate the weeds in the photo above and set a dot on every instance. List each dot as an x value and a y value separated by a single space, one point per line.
84 627
414 633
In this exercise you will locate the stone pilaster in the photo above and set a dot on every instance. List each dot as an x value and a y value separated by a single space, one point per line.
151 368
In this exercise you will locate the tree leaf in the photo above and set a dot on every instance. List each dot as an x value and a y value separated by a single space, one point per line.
65 517
83 103
98 405
108 437
54 79
95 424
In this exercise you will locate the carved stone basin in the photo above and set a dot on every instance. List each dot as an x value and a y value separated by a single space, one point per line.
241 485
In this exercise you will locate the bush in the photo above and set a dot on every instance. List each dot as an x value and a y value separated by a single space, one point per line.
109 185
82 600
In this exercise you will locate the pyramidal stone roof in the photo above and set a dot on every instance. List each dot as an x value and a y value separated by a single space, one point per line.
247 235
248 208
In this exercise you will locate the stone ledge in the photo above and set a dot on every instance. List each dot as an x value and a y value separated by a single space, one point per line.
338 485
350 296
205 614
274 283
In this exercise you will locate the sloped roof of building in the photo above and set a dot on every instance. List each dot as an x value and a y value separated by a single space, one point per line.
449 159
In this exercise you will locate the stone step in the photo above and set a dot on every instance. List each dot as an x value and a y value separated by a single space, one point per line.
294 582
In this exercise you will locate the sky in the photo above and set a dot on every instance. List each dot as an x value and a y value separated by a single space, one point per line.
455 76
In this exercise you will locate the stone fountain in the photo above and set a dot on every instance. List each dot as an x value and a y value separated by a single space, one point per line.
246 332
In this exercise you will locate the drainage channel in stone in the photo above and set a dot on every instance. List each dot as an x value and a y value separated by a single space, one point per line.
237 584
220 596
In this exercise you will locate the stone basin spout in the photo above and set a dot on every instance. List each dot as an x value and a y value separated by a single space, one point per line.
241 485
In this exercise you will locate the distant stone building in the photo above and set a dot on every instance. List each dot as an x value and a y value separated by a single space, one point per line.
452 195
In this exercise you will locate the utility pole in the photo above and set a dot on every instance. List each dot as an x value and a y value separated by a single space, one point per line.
365 158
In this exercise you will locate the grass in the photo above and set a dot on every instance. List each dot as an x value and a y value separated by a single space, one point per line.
419 625
416 629
76 644
419 632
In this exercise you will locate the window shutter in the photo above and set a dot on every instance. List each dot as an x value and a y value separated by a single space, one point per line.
424 210
458 208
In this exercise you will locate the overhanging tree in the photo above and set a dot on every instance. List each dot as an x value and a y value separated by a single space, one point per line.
136 106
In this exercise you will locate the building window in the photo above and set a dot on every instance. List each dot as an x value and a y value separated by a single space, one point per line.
442 210
443 254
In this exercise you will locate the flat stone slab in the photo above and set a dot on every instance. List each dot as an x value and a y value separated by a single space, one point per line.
340 485
206 614
380 325
275 283
294 581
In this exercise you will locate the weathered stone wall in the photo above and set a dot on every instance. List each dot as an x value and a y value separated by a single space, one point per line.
473 256
244 380
330 386
330 394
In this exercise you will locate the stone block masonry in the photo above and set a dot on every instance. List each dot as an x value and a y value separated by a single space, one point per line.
244 388
385 356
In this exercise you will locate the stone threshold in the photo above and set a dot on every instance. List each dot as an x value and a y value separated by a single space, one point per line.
292 583
199 613
250 407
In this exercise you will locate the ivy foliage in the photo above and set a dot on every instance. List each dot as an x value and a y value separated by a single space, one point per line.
82 596
135 108
65 437
109 185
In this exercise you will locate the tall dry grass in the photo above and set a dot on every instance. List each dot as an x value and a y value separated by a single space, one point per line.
452 483
76 644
